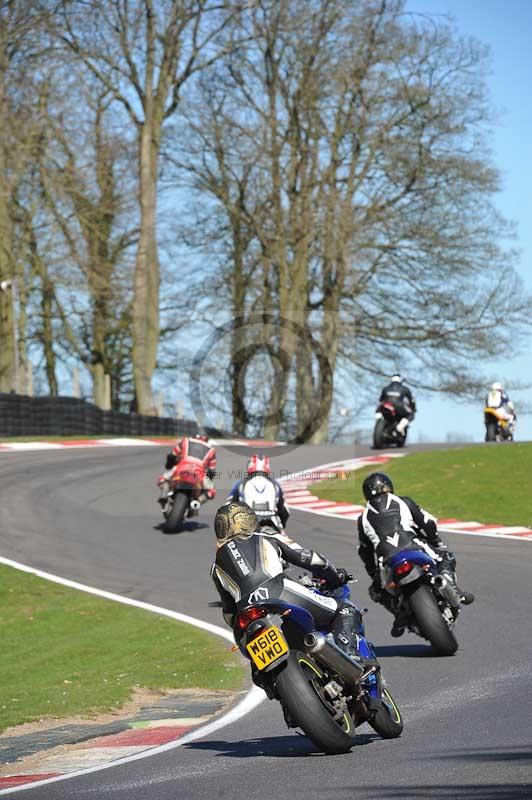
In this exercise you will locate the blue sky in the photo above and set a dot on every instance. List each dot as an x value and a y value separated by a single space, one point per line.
506 26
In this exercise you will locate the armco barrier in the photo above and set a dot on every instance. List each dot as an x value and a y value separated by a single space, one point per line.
70 416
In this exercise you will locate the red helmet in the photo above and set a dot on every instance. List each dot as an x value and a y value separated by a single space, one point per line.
259 464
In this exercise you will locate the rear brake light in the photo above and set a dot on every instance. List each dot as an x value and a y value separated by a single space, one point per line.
250 615
404 568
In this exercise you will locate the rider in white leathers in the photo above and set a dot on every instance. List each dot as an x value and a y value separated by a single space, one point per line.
262 493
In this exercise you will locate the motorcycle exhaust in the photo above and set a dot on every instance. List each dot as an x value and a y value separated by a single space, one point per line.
447 590
195 505
330 655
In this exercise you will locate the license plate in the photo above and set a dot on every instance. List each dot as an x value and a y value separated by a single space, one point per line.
267 648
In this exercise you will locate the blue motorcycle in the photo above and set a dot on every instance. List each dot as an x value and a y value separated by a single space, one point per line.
425 601
322 690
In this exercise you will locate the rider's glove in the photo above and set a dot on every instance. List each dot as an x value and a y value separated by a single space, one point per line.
343 576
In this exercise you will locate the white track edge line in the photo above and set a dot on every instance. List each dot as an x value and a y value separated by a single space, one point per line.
253 698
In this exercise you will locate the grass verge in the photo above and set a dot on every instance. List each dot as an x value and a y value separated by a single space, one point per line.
66 653
490 484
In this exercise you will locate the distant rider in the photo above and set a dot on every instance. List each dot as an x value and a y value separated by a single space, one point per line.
499 399
262 493
196 456
390 523
250 564
403 401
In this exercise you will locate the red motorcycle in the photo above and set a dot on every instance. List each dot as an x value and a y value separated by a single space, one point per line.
385 432
183 497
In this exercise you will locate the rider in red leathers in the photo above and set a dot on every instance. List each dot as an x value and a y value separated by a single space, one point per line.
196 457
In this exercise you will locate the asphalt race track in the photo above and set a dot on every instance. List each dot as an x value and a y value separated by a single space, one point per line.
90 515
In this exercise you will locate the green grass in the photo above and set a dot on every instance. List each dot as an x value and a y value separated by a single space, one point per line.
491 484
65 653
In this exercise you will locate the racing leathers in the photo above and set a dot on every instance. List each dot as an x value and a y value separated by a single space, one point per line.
499 399
390 523
196 458
403 401
265 496
250 569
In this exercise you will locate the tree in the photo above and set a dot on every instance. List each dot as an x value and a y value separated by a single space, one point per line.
349 141
87 189
143 53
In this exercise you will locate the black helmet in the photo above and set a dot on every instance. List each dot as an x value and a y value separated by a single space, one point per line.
234 519
376 483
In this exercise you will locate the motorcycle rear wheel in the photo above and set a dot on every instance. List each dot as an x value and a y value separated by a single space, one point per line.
378 434
387 722
299 686
430 622
175 518
491 431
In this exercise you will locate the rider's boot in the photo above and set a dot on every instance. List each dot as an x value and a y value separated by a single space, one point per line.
466 598
346 624
397 628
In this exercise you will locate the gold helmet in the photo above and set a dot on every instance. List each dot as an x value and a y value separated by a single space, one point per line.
234 520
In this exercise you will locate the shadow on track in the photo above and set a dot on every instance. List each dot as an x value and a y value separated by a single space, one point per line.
405 651
474 791
188 527
289 746
493 754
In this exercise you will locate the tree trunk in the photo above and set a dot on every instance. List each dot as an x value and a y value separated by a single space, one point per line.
7 331
147 280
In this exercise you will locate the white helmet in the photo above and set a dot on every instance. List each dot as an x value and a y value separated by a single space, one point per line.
497 387
397 379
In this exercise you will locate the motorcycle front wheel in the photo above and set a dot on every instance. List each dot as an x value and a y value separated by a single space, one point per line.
300 686
176 515
387 722
430 622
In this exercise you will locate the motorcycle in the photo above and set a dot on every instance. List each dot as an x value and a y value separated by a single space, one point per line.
385 431
182 498
322 690
260 495
499 428
426 601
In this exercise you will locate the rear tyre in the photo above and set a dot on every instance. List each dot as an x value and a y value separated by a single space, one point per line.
300 687
175 518
378 435
430 622
491 431
387 722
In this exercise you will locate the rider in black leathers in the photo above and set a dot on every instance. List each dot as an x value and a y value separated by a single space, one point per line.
390 523
250 565
403 401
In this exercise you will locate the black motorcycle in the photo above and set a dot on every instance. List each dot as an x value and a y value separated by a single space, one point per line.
425 601
385 432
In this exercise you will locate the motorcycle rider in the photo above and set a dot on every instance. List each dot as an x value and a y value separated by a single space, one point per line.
262 492
385 517
403 401
196 455
250 559
497 397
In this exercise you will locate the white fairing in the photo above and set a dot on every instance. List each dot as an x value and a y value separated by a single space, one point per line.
259 493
